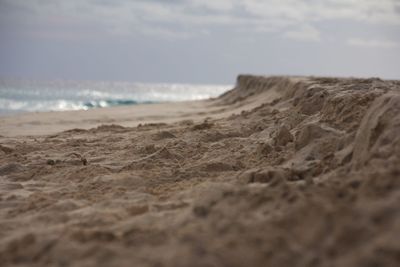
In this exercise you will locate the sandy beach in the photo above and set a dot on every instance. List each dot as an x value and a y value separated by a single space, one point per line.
279 171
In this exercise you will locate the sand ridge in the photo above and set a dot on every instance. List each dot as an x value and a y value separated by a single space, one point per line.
280 171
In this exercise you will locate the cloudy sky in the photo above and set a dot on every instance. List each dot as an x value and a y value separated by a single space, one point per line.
199 41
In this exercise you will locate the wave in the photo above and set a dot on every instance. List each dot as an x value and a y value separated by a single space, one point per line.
114 102
11 106
22 95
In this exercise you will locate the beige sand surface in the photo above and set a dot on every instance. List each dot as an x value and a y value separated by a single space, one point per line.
280 171
53 122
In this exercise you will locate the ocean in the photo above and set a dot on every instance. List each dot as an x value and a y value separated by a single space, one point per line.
35 96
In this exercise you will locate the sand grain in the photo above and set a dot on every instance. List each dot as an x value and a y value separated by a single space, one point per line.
280 171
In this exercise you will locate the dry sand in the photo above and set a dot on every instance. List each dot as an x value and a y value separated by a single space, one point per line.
280 171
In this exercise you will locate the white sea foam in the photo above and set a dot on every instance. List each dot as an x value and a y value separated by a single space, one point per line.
24 95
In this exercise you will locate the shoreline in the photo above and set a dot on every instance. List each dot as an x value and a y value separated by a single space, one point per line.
32 123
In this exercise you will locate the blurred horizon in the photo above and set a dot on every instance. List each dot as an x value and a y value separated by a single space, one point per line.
198 42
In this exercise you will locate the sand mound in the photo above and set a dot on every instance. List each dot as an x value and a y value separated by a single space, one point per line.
294 172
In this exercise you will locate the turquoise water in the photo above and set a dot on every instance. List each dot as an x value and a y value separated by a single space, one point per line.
32 96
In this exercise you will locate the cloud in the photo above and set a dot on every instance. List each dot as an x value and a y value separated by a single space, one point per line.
295 19
305 33
371 43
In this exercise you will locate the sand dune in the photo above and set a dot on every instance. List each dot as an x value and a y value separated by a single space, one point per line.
279 171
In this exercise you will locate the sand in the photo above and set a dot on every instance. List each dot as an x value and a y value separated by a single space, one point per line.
280 171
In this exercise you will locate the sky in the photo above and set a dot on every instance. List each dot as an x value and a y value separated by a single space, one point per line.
198 41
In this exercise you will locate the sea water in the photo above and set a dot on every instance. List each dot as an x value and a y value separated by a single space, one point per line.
30 96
